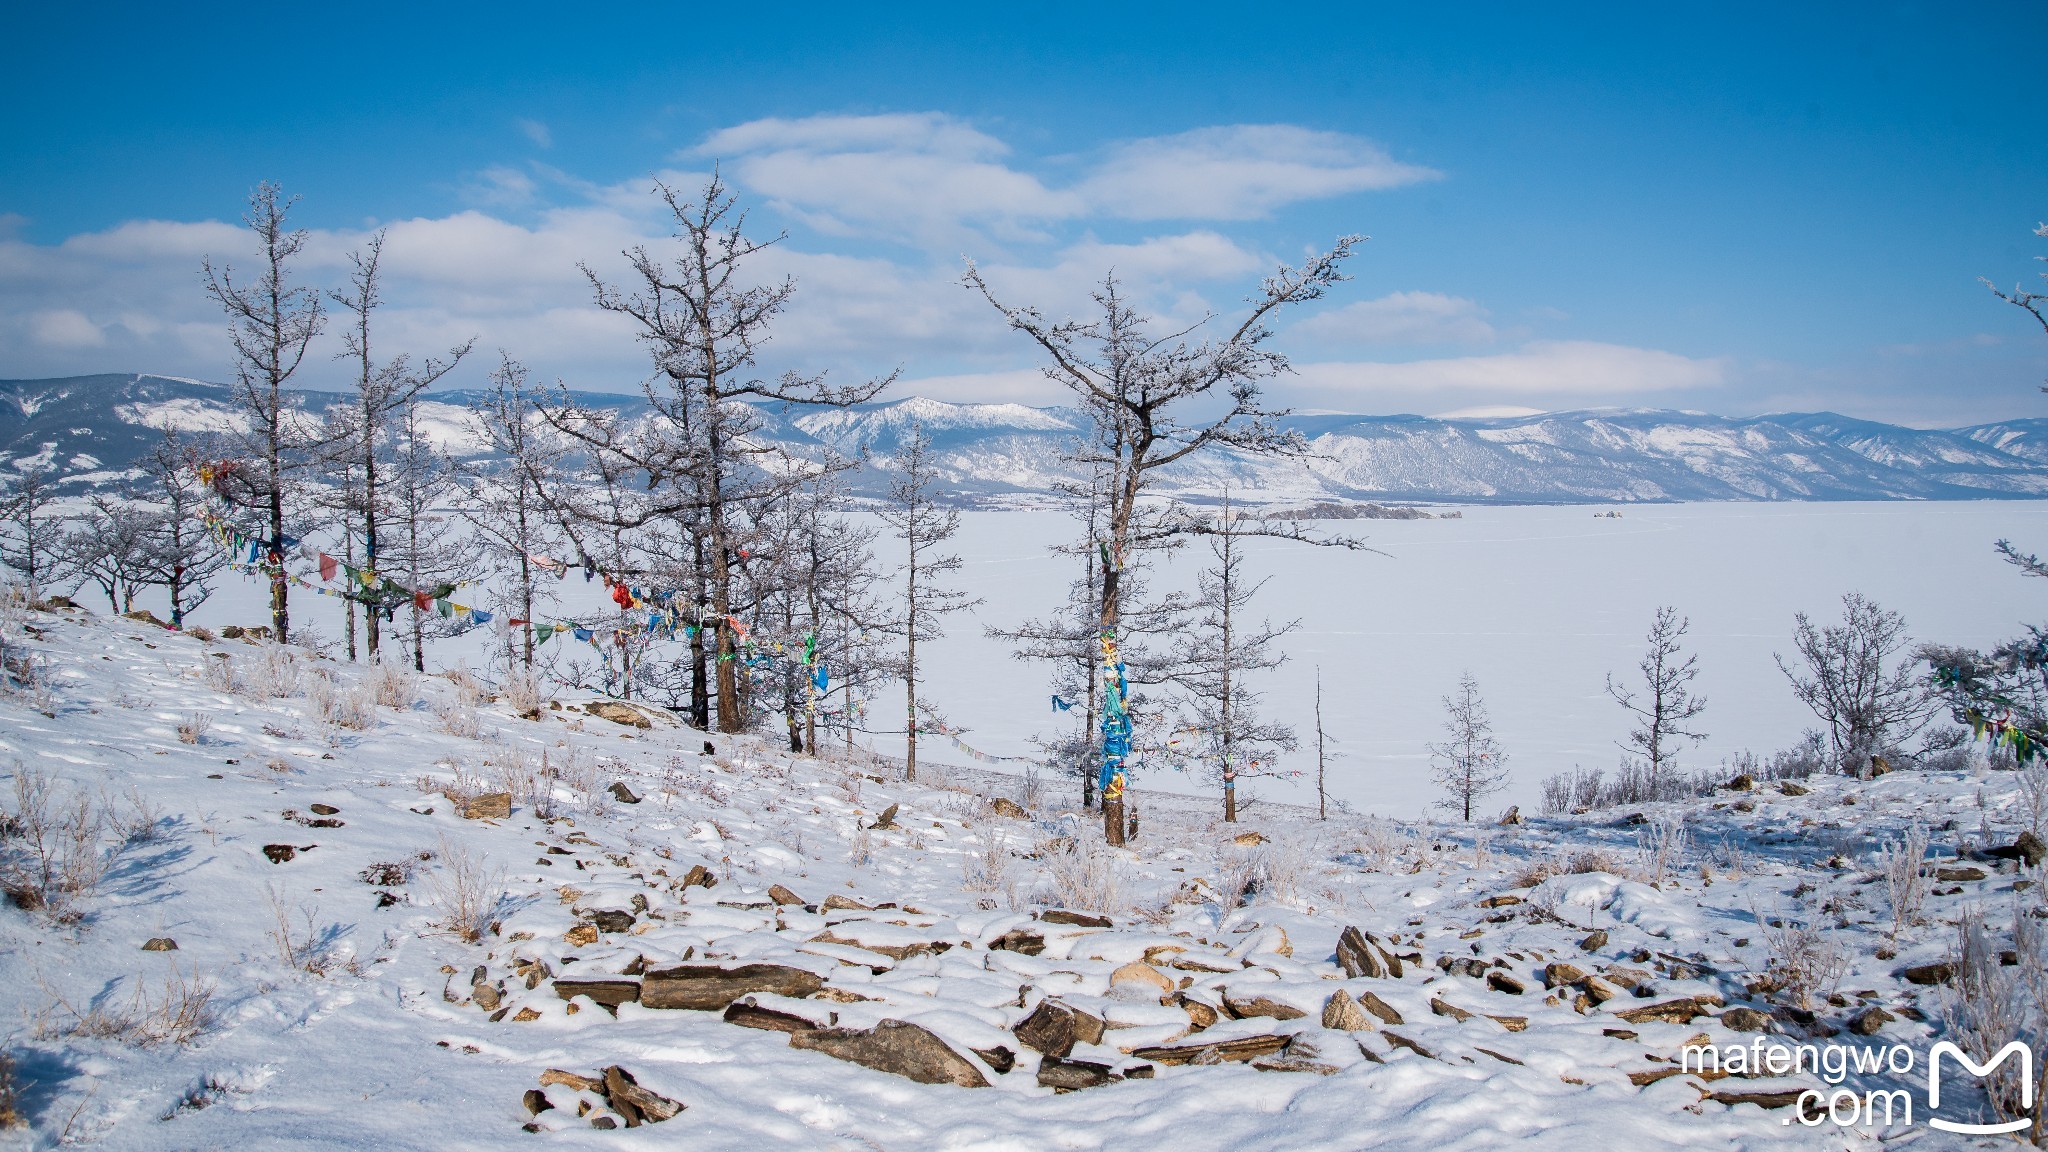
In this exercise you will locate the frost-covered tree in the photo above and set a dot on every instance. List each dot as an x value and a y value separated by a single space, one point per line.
2034 303
1154 398
704 316
507 505
1218 654
32 527
359 435
271 322
924 526
2002 694
428 549
1468 763
112 544
1858 679
1664 707
184 556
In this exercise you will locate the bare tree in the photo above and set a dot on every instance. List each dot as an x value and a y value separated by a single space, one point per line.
1217 653
33 539
2002 694
1666 704
360 432
271 323
113 545
924 526
507 506
427 549
704 322
1469 764
1154 400
184 557
1848 677
1322 754
2035 303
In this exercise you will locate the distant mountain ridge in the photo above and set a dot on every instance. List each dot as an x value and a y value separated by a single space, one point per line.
91 429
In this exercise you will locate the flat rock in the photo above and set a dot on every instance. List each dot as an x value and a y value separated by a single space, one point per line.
1054 1027
1141 974
1746 1020
896 1047
783 896
1077 919
1357 957
1342 1014
609 992
1940 972
1019 940
747 1014
1558 974
1378 1007
160 944
1241 1050
1247 1006
489 806
711 987
618 713
1009 809
835 902
1499 980
623 794
635 1104
1681 1011
1063 1075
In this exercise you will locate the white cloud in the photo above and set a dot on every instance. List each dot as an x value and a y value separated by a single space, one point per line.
65 328
537 132
1240 172
1401 318
931 179
1580 368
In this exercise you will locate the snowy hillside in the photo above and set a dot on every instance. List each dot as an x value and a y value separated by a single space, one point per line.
92 427
257 870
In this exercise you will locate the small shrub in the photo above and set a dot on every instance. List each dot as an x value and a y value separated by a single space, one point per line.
51 856
180 1012
459 720
469 892
524 693
984 871
203 635
277 672
1081 875
221 674
394 686
1903 863
193 728
1806 961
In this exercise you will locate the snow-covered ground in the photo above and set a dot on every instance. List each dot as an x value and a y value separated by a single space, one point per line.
389 1031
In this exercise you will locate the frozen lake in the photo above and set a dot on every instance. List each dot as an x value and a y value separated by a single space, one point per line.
1540 603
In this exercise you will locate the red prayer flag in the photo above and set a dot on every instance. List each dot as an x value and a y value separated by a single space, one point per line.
328 566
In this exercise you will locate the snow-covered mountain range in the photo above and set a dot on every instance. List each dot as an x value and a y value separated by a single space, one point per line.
91 428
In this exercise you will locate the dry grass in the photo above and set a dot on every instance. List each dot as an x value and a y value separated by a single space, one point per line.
459 720
309 948
985 871
1082 875
524 693
1902 863
393 686
221 673
277 671
469 891
179 1011
194 727
51 855
1806 960
1569 863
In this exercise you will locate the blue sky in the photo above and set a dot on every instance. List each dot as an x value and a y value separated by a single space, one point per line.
1738 210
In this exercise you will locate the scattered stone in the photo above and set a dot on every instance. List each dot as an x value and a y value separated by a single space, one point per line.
1870 1020
325 810
160 944
618 713
486 996
1499 980
1788 788
536 1101
572 1081
1200 1015
747 1014
1246 1007
896 1047
1248 839
611 920
1357 957
1964 873
623 794
1504 900
1077 919
1558 974
2028 848
1681 1011
700 877
783 896
1400 1041
1743 782
1940 972
609 992
1512 816
1342 1014
1063 1075
1017 940
1746 1020
710 987
489 806
581 934
279 853
1009 809
837 902
999 1058
1446 1008
1782 1099
635 1104
886 820
1053 1028
1594 941
1241 1050
1141 974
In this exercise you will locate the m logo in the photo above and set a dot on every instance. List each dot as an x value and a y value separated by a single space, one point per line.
1980 1071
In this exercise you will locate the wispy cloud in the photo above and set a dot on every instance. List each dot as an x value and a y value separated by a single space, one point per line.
1401 318
1549 368
537 132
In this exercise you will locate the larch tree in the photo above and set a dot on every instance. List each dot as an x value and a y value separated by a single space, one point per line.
271 323
32 528
360 432
2035 304
704 320
1154 399
1664 707
428 549
185 557
1468 763
507 505
924 525
1851 676
113 545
